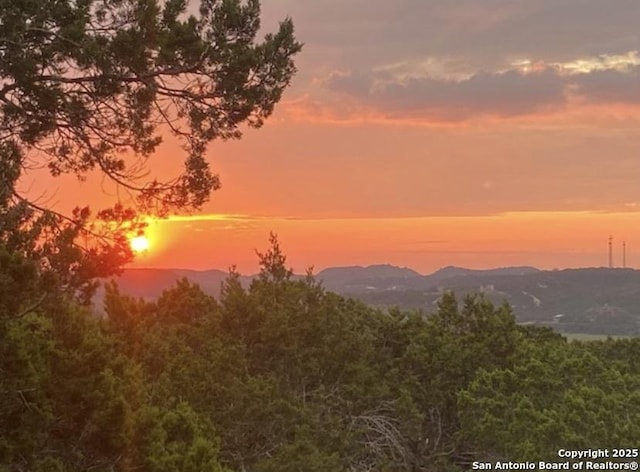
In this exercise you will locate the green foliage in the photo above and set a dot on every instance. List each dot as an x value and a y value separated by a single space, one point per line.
285 376
302 454
556 393
20 286
24 348
65 391
55 244
185 303
435 357
175 440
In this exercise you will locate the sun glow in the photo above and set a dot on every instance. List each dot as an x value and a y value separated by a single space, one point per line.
139 244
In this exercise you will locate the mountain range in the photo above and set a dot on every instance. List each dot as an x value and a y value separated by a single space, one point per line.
591 300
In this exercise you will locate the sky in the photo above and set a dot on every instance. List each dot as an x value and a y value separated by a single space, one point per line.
427 133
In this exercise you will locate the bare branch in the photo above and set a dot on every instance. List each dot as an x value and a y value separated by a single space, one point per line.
32 307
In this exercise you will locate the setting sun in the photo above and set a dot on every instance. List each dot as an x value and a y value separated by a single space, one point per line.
139 244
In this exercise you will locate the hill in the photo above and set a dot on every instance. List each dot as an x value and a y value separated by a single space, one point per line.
346 278
594 300
452 271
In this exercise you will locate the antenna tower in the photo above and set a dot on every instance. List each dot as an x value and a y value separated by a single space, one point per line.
610 252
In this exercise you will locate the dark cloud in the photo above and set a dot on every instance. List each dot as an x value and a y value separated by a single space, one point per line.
504 94
355 83
610 86
484 35
446 58
510 93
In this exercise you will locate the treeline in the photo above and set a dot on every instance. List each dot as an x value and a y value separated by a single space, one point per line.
287 377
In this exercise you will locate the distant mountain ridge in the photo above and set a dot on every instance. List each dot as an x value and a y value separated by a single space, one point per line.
452 271
377 270
593 300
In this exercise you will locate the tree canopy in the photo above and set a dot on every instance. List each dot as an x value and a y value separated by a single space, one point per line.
95 85
283 375
92 84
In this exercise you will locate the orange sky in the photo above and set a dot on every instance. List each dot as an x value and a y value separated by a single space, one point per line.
546 240
425 134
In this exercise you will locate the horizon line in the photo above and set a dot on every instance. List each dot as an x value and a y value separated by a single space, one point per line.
538 269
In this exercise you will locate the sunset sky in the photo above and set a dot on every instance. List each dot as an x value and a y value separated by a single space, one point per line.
426 133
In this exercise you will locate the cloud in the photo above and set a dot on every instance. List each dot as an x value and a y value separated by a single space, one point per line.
208 221
403 92
605 62
448 61
481 35
610 86
502 94
208 217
